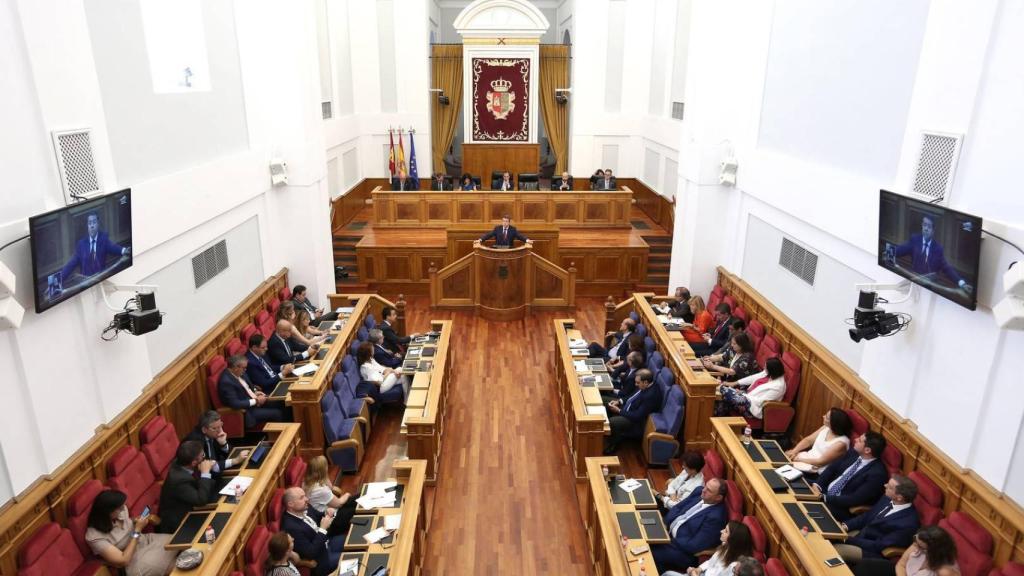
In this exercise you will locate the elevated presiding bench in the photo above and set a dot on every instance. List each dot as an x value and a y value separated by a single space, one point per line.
417 209
611 513
423 422
583 413
235 521
781 515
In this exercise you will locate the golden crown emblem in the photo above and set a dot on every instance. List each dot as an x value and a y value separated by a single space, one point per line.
501 85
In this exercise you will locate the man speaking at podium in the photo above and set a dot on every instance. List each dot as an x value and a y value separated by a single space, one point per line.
505 235
91 252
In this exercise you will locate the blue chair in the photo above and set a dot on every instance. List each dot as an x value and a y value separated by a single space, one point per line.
392 396
634 316
641 330
362 335
649 345
354 407
660 443
353 349
343 434
655 362
370 323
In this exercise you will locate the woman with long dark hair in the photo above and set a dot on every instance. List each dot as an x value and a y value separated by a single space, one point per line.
736 542
280 556
118 539
933 553
825 445
743 362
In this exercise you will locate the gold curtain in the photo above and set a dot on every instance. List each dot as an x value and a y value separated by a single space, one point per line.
554 73
446 72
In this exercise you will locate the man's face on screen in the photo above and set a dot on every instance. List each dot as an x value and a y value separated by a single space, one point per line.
93 224
926 228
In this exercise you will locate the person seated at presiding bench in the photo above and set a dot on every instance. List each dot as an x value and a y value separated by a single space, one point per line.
614 342
382 355
505 184
741 364
825 445
210 434
628 417
768 385
466 183
439 183
118 540
857 479
236 392
563 183
690 479
262 373
403 182
694 525
308 528
189 484
892 521
933 553
302 302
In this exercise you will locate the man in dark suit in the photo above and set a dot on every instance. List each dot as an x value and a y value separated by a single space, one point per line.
624 377
91 252
857 479
279 351
316 315
262 373
211 436
616 342
607 183
308 528
382 355
392 341
504 184
563 183
401 183
628 416
893 521
695 524
927 257
236 392
505 235
439 183
189 484
719 335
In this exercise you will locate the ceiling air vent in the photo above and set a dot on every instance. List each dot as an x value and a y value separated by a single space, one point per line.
936 164
75 163
798 260
209 263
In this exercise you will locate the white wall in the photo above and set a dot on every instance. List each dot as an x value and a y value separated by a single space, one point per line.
184 197
811 162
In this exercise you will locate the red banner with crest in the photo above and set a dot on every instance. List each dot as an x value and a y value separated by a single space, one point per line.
501 99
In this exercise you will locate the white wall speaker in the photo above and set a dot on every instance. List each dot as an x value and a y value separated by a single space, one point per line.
75 163
7 281
278 172
11 313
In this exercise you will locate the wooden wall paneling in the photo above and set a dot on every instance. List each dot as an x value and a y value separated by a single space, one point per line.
656 206
829 382
483 159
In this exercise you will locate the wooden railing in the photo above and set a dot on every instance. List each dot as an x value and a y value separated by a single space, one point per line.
178 393
424 419
826 381
585 432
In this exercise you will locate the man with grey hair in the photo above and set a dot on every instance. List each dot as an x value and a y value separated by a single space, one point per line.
236 392
381 354
892 521
747 566
210 433
308 529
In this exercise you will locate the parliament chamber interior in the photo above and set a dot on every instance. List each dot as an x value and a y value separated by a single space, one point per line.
452 287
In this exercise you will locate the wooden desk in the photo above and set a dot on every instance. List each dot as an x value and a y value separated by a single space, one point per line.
405 551
585 431
225 555
804 556
602 520
418 209
423 422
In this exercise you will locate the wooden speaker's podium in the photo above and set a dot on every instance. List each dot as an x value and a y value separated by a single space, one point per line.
503 283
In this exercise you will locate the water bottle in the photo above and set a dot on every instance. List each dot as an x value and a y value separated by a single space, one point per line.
625 543
238 492
604 471
804 531
643 569
746 436
211 536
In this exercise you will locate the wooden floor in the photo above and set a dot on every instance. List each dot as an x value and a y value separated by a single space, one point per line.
505 501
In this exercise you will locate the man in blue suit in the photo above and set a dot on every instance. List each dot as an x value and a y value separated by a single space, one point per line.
382 355
505 235
927 257
627 417
616 343
624 377
308 529
695 524
91 252
857 479
263 373
893 521
234 391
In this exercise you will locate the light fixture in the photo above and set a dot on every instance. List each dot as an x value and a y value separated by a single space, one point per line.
562 95
441 98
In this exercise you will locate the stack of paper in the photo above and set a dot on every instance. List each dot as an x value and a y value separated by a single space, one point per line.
581 366
242 482
377 495
304 369
630 485
348 567
377 535
392 521
577 343
597 411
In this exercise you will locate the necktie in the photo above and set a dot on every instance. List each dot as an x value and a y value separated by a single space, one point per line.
246 387
266 366
885 511
682 519
504 233
836 487
630 401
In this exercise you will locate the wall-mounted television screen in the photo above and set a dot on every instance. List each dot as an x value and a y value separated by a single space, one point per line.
78 246
929 245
